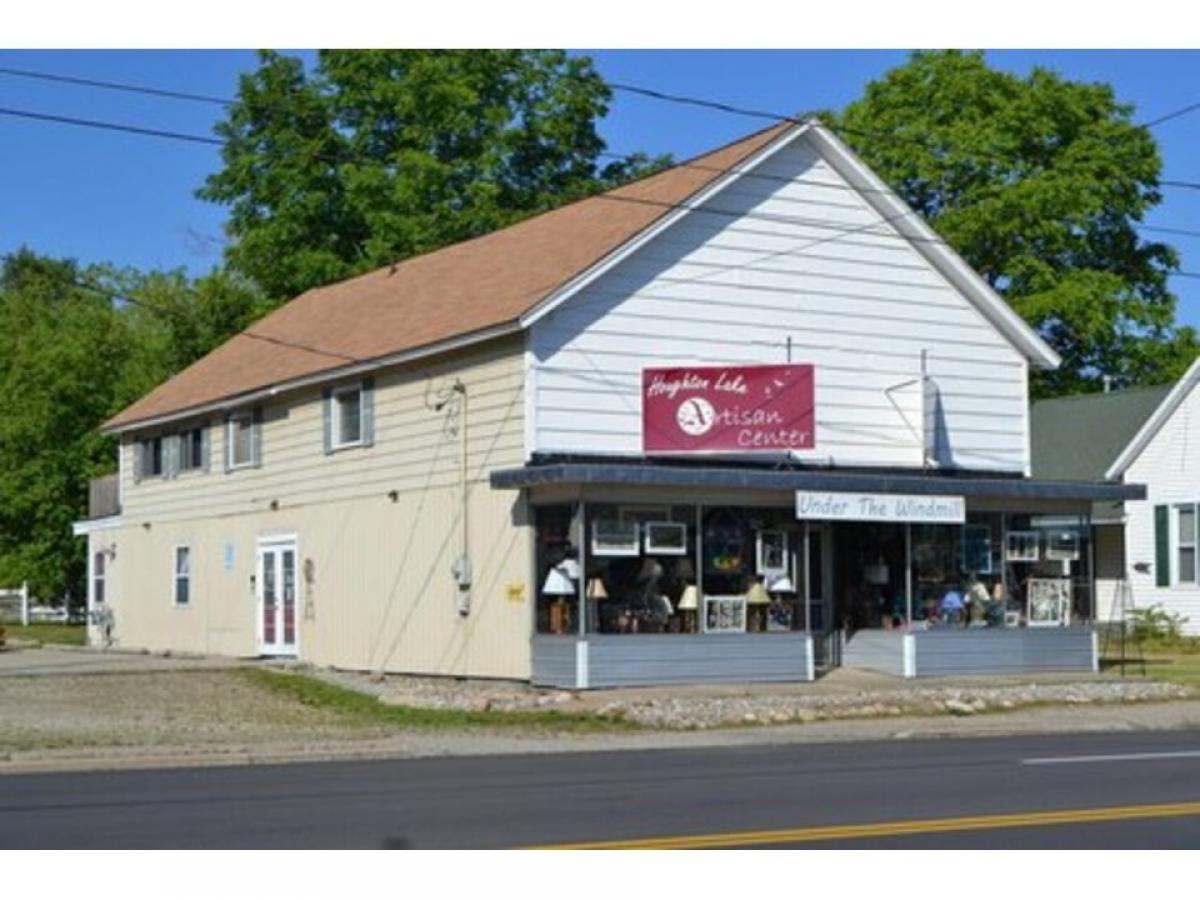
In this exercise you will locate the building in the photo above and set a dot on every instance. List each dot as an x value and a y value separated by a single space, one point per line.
740 420
1145 436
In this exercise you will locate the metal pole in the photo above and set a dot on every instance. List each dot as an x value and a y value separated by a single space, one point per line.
807 582
908 575
701 610
583 573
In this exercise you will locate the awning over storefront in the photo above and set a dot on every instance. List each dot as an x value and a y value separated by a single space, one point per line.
774 479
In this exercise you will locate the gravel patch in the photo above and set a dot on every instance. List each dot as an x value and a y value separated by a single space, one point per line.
726 706
150 708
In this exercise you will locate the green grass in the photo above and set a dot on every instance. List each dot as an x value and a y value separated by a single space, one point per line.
47 633
1175 660
358 709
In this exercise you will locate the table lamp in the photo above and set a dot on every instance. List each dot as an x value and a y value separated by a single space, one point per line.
558 584
689 602
758 599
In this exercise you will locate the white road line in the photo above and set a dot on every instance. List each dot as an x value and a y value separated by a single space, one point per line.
1113 757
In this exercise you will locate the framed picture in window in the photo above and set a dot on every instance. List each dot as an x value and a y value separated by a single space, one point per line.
1049 603
1062 545
611 537
1021 546
977 549
665 538
724 614
771 552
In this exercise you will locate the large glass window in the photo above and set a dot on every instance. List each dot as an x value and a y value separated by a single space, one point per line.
749 580
558 569
1047 570
958 577
641 572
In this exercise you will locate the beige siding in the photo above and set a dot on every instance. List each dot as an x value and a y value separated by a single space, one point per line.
382 596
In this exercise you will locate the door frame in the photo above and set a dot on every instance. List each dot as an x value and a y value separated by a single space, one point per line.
276 542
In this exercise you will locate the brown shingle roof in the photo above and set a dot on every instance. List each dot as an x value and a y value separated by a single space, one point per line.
479 284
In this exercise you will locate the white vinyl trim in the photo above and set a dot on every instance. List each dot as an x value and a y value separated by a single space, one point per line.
557 297
1157 420
930 245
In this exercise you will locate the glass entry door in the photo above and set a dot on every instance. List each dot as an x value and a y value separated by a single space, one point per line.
277 598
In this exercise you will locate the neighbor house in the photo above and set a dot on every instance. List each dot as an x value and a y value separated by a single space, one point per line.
1145 550
739 420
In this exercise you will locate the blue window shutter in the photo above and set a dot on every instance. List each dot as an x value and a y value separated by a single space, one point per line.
368 411
205 447
256 441
1162 546
327 419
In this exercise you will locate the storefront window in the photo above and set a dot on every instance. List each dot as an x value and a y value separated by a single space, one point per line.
558 569
958 577
749 576
1048 570
641 572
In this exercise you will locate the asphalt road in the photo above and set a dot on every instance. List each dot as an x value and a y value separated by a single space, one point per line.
1139 790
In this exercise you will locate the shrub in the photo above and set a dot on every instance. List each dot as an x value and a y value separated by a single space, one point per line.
1156 623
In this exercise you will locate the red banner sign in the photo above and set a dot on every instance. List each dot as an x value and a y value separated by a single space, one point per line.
745 409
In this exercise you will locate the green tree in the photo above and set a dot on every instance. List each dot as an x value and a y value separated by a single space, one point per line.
62 353
377 155
1038 182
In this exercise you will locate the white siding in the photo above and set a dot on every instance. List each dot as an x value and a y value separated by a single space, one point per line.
860 305
1168 467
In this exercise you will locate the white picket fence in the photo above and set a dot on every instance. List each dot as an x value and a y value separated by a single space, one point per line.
14 605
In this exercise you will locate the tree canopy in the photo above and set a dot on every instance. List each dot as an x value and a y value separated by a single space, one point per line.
1039 183
377 155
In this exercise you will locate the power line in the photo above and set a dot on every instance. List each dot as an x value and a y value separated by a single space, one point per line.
700 102
769 217
115 86
110 126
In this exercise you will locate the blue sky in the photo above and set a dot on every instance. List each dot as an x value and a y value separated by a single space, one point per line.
99 196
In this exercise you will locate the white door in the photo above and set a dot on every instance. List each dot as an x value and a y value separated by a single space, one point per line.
277 598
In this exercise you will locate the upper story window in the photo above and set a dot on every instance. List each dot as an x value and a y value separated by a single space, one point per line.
347 417
243 439
350 416
151 457
192 449
167 455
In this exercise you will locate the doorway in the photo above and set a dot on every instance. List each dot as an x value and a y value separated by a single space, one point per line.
276 578
870 575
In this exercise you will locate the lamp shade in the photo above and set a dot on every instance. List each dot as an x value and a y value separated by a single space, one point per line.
757 595
557 583
595 589
690 598
782 585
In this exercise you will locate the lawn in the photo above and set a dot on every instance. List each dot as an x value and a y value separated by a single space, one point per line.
1172 659
48 633
354 708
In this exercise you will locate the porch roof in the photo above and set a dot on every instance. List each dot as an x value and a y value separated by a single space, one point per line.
654 474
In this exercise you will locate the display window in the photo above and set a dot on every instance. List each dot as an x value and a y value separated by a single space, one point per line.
558 569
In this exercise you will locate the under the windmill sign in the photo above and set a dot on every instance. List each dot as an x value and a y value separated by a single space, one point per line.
708 409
